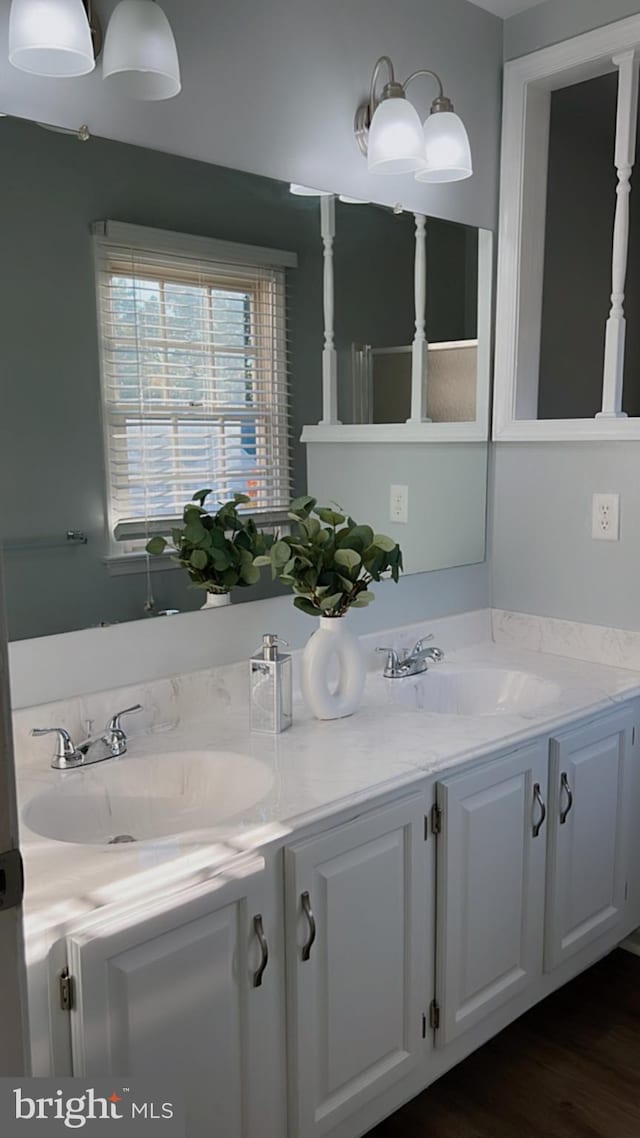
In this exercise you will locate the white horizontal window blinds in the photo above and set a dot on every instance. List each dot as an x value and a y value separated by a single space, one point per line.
195 381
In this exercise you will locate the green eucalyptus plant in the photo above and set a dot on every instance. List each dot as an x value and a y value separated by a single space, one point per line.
218 550
329 560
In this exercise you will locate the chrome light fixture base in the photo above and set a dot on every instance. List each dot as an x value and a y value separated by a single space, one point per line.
361 124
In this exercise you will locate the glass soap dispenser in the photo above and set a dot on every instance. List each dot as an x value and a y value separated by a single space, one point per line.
271 688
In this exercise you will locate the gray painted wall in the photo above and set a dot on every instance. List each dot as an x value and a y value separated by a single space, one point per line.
272 87
543 558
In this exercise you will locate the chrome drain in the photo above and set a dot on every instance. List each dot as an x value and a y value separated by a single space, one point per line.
121 839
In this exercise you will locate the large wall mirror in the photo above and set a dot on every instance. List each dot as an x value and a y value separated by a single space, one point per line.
569 258
165 324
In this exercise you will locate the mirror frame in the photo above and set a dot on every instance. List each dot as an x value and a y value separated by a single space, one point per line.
528 84
417 428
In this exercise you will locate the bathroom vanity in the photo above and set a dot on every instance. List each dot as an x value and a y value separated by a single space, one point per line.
384 892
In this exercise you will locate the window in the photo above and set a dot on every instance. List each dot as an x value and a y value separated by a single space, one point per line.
194 375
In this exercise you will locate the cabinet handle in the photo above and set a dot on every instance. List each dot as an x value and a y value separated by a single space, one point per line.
311 921
537 796
264 948
564 785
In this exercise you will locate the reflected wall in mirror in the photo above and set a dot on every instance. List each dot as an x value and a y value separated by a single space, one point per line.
163 332
374 261
179 340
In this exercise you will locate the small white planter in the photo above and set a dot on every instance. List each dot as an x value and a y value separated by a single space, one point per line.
216 601
333 645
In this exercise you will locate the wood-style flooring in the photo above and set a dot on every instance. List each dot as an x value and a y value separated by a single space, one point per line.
569 1068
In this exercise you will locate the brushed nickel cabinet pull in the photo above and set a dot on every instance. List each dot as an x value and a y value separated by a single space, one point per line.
564 786
311 921
264 949
537 796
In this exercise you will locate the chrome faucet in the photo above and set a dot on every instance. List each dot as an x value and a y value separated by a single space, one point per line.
110 745
413 665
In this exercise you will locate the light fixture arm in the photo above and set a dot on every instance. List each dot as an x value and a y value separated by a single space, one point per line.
441 102
384 61
365 112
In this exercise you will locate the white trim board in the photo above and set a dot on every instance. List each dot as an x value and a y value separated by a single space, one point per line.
208 248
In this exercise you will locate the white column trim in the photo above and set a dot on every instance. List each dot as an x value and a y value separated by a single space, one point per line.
420 347
625 153
329 354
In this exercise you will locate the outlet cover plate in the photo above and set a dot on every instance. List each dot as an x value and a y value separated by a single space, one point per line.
399 504
605 517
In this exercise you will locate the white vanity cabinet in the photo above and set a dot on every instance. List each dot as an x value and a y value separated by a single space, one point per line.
587 868
413 932
491 883
179 991
359 909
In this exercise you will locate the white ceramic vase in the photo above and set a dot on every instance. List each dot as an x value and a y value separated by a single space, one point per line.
333 650
216 601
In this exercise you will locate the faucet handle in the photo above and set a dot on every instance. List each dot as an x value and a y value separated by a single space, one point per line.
392 665
421 643
114 725
66 753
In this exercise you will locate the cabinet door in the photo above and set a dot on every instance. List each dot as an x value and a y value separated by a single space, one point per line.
586 870
356 912
169 991
491 877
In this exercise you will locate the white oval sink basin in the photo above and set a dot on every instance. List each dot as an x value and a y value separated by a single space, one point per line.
475 691
145 797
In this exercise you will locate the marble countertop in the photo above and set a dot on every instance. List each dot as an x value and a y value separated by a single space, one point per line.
316 769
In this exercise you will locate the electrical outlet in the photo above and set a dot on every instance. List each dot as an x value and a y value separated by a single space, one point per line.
399 504
605 517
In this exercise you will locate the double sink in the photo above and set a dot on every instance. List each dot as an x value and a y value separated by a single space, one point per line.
147 797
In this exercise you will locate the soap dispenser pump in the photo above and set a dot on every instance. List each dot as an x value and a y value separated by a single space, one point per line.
271 687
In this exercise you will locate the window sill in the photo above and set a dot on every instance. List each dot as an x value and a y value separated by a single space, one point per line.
122 564
566 430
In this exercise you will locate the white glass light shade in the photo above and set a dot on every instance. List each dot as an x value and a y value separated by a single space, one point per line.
447 149
50 38
140 55
396 141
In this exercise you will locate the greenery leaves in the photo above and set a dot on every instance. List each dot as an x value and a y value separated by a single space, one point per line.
219 550
329 560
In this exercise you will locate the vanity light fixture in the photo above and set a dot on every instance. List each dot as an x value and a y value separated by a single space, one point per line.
52 38
63 39
140 54
390 134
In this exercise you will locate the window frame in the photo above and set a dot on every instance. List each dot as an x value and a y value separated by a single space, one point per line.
528 83
124 541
